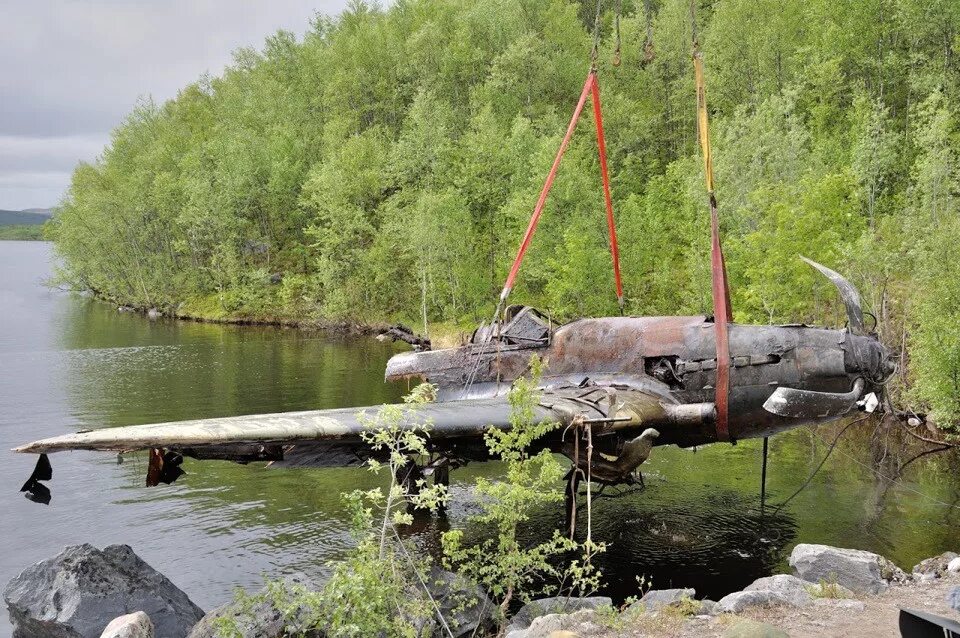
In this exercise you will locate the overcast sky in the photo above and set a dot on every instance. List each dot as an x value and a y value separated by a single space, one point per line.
71 69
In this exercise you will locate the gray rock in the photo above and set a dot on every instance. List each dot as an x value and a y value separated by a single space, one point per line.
708 607
740 600
76 593
579 623
857 570
153 313
954 566
934 567
262 619
658 598
790 587
463 603
555 605
953 598
135 625
746 628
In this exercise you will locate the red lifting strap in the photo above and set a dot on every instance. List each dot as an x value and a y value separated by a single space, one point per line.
722 316
590 87
611 227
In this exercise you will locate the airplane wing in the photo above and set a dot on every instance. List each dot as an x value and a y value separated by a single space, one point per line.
446 420
333 438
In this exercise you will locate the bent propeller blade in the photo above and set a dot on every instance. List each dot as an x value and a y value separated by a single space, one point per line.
849 294
809 404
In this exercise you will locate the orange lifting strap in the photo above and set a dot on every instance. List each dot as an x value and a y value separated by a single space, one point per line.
591 87
722 312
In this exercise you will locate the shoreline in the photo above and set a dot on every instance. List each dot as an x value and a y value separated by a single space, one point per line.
831 591
442 334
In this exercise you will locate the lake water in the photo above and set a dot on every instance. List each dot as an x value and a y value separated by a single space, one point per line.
69 362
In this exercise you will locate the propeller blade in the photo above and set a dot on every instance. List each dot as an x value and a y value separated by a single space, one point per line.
849 294
808 404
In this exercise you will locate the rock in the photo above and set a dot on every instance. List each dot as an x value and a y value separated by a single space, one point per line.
658 598
135 625
954 566
556 605
745 628
708 607
933 568
790 587
262 619
77 592
578 625
953 598
463 603
153 313
857 570
741 600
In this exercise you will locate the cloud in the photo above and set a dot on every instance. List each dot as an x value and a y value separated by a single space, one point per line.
73 68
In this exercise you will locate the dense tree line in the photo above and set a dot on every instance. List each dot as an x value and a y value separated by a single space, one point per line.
387 162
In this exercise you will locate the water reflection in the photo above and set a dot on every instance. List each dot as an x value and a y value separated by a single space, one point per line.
676 535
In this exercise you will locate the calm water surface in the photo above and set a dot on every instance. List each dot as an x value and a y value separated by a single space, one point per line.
68 363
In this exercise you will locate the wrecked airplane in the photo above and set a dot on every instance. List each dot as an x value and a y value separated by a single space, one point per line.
635 381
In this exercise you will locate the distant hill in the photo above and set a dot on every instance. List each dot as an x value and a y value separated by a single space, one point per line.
27 217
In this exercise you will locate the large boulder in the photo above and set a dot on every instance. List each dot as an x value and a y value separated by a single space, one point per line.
740 601
135 625
579 624
81 589
790 587
555 605
656 599
857 570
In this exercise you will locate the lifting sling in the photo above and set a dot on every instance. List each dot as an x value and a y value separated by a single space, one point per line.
591 87
722 312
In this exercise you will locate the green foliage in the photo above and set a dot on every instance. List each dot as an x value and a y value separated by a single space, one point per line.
22 232
827 588
383 166
501 562
378 588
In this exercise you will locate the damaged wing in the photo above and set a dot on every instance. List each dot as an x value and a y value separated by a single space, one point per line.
447 420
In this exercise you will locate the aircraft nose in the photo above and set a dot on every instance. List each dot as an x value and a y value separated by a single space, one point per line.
870 358
886 363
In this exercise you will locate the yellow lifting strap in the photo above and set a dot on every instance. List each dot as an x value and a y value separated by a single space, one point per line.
703 123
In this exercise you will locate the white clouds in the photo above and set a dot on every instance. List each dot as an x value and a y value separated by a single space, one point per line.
71 69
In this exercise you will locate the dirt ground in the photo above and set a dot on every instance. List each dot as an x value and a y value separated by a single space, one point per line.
823 618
